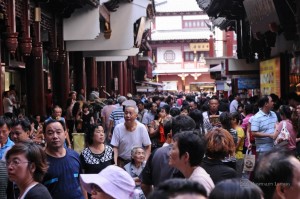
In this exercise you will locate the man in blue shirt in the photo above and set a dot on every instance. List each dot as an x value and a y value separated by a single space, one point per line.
61 178
5 142
263 125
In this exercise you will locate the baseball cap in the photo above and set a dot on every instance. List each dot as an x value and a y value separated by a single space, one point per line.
113 180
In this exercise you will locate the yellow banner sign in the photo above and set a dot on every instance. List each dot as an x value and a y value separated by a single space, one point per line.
199 46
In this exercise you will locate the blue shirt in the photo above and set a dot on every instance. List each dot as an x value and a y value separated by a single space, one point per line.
6 147
264 123
62 177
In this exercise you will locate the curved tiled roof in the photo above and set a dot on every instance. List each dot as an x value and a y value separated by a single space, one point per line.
179 35
176 6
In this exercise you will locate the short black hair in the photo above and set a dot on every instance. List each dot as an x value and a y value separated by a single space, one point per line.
24 123
174 112
273 167
182 123
193 144
5 120
236 188
89 134
263 100
174 187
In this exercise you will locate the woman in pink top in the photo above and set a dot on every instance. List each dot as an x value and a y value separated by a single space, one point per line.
286 114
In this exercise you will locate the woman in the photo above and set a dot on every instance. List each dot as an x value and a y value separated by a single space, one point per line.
97 155
156 129
219 146
235 122
186 155
136 166
26 165
87 117
286 114
111 182
197 116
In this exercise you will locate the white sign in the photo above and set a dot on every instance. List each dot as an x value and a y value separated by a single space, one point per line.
170 85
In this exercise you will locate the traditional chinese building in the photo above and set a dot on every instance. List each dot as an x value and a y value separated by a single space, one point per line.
180 43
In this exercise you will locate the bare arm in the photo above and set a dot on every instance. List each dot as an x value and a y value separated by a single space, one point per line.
260 134
116 154
147 189
147 151
111 123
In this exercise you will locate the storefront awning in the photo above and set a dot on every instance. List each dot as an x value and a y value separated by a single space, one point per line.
150 83
217 68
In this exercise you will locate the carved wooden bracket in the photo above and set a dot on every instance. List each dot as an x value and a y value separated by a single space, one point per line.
106 15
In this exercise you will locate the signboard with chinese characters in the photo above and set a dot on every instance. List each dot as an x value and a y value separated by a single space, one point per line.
270 77
248 83
199 46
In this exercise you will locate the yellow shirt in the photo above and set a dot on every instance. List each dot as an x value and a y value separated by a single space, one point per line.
241 135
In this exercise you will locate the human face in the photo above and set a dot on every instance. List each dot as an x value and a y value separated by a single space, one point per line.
99 136
55 135
18 134
213 105
139 155
184 112
130 115
38 118
141 107
270 103
18 168
4 132
162 113
293 191
98 193
154 108
57 112
174 159
193 106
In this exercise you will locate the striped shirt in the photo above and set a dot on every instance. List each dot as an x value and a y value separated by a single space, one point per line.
117 114
3 179
263 123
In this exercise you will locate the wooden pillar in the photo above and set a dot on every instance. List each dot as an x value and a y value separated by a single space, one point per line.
110 78
126 78
12 35
2 73
102 77
78 62
91 73
34 71
121 78
211 46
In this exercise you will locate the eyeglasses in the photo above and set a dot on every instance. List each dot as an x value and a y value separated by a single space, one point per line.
15 163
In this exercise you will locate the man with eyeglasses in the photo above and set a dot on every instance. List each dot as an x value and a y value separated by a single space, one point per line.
61 178
5 142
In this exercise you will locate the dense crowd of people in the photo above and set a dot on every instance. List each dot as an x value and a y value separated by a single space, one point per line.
153 146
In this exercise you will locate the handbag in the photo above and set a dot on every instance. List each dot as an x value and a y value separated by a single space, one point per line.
283 137
249 161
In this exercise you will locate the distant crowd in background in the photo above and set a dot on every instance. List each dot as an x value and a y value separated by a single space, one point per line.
152 146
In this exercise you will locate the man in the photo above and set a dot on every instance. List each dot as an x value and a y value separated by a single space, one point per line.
142 110
5 142
157 169
105 113
61 178
149 115
277 173
20 130
233 107
57 115
263 125
193 105
129 134
116 114
211 117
